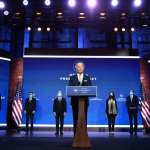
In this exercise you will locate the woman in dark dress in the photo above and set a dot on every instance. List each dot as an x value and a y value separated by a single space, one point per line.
111 111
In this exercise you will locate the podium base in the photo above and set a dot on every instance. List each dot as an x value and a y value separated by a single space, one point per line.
84 143
81 139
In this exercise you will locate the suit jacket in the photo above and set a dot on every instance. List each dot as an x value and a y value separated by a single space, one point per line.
59 106
107 107
75 82
133 105
30 106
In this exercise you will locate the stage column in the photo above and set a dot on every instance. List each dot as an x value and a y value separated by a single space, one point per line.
145 80
16 69
16 76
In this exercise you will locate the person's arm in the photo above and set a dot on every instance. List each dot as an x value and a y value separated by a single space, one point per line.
137 102
54 106
106 107
89 82
34 106
25 106
70 82
116 106
127 105
65 106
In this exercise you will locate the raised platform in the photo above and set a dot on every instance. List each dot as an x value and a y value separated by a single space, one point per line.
46 140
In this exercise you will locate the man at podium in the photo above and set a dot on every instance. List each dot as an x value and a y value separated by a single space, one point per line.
79 79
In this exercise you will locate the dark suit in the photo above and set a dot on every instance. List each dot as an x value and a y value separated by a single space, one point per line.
30 106
132 107
59 107
75 100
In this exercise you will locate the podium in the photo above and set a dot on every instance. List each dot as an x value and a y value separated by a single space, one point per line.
81 139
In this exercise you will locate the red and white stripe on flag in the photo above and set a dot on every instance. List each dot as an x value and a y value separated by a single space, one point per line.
17 111
145 113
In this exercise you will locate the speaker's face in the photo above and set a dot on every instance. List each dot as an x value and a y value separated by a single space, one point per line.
79 68
30 95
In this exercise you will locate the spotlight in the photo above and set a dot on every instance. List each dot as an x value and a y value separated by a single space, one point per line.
48 29
39 29
47 2
29 28
72 3
25 2
59 13
17 13
6 12
116 29
2 5
123 29
123 14
132 29
81 15
114 3
102 14
145 25
91 3
39 13
137 3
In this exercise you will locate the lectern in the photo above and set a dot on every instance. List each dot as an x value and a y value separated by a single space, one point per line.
81 139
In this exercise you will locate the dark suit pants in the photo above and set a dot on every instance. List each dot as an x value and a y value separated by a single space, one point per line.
59 122
133 116
29 118
111 122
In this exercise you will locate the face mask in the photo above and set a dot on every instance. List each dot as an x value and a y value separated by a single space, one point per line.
111 94
30 97
59 98
131 93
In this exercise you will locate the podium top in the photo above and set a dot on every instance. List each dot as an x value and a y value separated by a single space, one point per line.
90 91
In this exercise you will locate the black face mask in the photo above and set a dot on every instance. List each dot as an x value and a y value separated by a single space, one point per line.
110 96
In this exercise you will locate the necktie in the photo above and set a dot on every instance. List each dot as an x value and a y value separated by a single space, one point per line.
80 79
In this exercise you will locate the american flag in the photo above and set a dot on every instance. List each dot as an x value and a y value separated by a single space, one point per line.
17 107
145 109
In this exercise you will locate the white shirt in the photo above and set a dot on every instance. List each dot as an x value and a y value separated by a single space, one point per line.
80 77
131 97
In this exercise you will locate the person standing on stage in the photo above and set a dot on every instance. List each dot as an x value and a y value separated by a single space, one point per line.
59 110
29 109
80 78
132 104
111 111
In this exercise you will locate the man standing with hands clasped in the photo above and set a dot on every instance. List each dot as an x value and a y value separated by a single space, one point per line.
132 103
59 110
29 109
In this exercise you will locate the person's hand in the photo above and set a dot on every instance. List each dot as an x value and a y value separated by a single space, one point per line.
131 108
54 113
65 113
33 112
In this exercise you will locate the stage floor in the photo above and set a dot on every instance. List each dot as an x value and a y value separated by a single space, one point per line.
44 140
